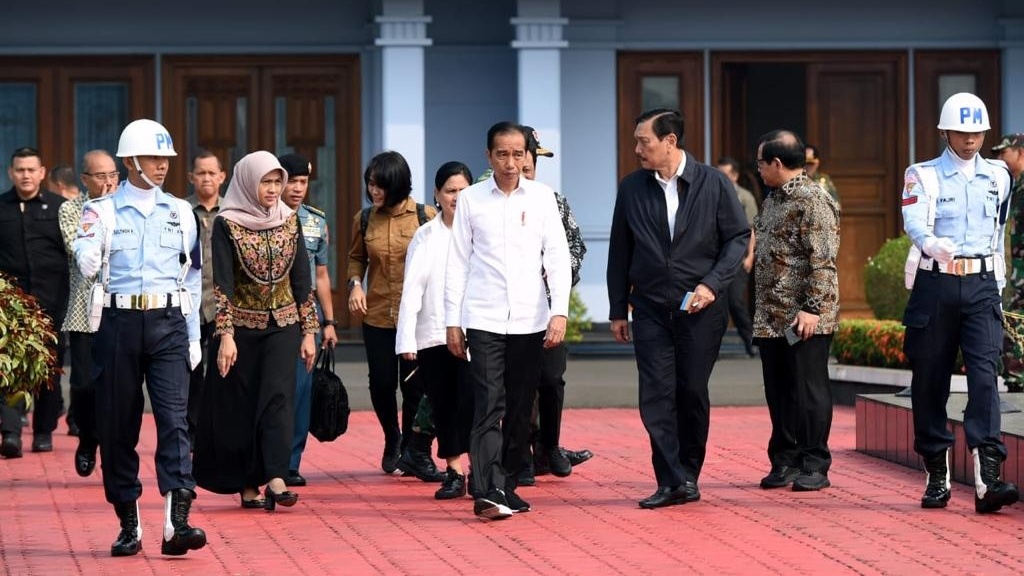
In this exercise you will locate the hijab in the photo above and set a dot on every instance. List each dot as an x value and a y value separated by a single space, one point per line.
241 203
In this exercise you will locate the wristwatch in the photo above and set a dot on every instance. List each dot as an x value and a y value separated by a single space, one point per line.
330 322
352 283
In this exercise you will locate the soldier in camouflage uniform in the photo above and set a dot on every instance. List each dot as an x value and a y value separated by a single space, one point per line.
1010 149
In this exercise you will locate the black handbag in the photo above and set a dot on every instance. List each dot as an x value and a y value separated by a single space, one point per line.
329 410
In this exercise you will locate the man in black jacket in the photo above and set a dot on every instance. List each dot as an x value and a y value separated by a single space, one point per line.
32 252
678 236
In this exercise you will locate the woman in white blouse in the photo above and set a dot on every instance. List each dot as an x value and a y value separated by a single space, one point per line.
421 330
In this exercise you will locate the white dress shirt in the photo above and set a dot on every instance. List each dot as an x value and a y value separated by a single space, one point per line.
671 189
421 313
499 245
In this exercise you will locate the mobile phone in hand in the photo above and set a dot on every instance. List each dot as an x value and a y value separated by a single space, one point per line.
791 336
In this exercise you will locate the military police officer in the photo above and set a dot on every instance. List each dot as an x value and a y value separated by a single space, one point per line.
314 231
145 246
954 210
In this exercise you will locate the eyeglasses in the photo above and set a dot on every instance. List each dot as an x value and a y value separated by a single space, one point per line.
103 175
760 161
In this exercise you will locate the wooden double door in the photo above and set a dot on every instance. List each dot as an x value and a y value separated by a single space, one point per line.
307 105
853 106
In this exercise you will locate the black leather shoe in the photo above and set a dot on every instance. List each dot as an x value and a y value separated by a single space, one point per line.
85 458
780 477
691 490
417 461
810 482
560 465
42 442
454 486
515 502
668 496
577 457
183 537
527 476
294 479
991 493
389 461
11 446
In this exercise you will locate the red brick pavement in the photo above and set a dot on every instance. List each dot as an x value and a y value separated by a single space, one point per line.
353 519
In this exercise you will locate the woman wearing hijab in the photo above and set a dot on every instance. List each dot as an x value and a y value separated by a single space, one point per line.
264 317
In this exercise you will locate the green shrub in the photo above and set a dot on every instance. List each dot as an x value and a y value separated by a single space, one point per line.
578 320
875 343
27 342
884 288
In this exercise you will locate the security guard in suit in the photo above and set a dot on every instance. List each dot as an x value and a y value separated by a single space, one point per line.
954 210
145 245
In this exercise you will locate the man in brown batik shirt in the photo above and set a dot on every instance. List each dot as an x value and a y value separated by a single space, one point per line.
796 291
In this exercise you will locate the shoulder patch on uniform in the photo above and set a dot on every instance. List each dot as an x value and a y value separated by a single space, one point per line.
317 211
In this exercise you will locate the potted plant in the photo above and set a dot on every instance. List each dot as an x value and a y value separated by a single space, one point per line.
28 343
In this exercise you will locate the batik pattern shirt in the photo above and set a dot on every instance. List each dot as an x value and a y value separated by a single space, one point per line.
795 258
255 277
68 216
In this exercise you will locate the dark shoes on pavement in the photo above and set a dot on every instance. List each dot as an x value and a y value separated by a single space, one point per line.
780 477
85 458
810 482
294 479
11 445
558 463
129 539
990 492
937 486
577 457
454 486
42 442
492 505
417 461
672 496
179 537
527 474
392 452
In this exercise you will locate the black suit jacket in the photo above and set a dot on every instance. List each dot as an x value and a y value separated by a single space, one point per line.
648 271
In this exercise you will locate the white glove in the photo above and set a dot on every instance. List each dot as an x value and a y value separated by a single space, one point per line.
195 354
941 249
89 262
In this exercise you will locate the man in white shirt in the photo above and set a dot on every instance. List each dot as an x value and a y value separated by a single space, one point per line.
506 230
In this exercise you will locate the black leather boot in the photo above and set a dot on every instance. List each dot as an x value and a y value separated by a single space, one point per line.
129 540
416 459
991 493
936 487
179 537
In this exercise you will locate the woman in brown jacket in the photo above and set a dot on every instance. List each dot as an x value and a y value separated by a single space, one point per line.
379 255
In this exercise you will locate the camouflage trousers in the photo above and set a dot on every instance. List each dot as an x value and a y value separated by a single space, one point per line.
1013 350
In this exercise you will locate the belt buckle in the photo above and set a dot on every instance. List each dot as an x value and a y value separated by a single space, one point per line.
960 267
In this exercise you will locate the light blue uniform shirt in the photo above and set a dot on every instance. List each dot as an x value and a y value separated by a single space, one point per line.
966 211
146 252
314 232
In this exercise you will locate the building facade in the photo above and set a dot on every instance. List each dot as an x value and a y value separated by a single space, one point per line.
340 81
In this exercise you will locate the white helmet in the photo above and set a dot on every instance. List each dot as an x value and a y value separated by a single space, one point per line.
145 138
964 112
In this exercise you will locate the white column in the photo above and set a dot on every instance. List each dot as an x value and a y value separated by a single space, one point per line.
539 43
1013 75
402 39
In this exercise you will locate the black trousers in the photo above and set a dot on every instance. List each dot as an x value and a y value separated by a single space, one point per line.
132 346
551 395
83 390
198 376
799 397
737 297
387 373
504 371
946 313
675 353
445 381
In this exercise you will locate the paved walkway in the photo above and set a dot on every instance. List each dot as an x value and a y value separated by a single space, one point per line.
353 519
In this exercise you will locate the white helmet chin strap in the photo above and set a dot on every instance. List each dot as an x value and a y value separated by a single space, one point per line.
142 174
